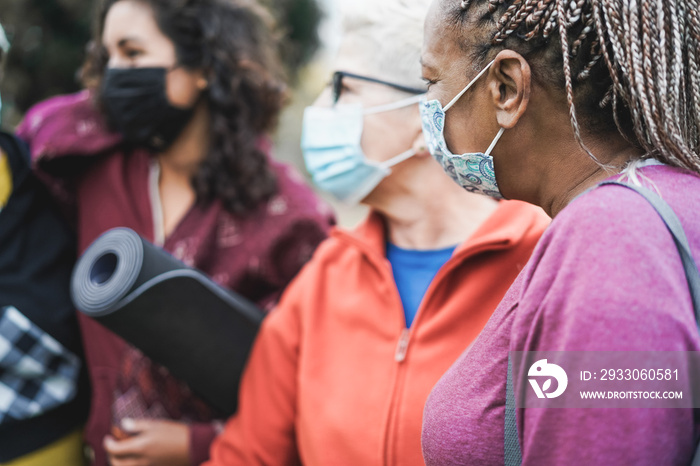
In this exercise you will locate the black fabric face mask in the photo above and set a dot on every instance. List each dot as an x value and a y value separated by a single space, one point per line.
137 106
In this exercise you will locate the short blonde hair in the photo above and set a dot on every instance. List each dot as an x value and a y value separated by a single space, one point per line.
391 34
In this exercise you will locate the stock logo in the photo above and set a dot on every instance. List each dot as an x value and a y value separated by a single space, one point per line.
543 369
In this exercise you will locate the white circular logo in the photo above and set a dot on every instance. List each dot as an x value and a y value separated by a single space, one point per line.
543 369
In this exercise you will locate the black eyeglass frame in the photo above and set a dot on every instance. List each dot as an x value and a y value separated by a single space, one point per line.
337 84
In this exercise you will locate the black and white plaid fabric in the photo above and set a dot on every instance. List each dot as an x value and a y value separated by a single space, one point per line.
37 373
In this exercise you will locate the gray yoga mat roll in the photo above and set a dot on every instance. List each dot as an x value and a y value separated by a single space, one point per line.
174 314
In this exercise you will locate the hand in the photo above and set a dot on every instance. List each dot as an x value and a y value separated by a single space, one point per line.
152 443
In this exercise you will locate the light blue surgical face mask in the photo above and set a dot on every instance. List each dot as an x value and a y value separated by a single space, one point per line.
331 144
473 171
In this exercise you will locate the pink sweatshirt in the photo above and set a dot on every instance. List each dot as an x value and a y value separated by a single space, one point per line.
606 276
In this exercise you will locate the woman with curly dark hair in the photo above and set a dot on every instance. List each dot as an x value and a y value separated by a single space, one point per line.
170 140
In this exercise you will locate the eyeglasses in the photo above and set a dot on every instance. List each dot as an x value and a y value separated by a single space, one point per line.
337 84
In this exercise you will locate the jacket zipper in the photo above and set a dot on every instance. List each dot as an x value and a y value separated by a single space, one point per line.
405 337
404 342
399 357
397 389
402 347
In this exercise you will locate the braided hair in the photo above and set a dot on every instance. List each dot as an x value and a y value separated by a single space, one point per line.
631 63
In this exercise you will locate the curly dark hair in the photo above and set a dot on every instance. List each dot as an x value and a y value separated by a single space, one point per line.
233 43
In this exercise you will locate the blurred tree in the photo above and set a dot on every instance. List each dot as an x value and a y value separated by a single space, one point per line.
48 40
299 20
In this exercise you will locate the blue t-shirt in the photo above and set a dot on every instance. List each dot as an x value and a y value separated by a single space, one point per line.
414 270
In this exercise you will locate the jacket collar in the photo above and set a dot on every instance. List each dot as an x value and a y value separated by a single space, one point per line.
505 228
369 236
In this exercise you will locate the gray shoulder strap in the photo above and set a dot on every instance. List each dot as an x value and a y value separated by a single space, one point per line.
513 455
674 226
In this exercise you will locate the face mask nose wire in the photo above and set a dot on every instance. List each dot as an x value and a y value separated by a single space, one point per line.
471 83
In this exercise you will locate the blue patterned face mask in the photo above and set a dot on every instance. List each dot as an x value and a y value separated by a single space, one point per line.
333 154
473 171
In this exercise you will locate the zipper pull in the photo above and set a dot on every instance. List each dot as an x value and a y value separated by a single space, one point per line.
402 347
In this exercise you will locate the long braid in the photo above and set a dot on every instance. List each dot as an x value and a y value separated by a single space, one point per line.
694 49
617 70
649 34
649 48
566 19
637 77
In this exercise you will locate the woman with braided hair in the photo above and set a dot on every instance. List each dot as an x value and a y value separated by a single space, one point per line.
565 95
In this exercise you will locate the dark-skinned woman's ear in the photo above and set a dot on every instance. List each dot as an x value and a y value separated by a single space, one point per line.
510 85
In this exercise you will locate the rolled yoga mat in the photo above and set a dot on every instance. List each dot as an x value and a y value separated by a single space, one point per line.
174 314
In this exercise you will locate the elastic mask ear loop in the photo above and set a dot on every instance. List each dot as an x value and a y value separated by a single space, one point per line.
398 159
471 83
495 140
395 105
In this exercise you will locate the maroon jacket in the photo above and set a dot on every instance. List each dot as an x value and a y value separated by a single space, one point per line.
102 187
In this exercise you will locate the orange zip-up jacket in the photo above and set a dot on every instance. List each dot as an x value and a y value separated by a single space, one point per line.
336 378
